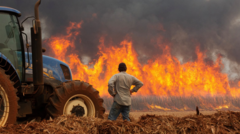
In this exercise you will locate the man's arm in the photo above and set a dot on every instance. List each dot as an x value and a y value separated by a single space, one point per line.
138 84
111 85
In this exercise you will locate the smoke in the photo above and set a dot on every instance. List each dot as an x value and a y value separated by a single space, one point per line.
210 24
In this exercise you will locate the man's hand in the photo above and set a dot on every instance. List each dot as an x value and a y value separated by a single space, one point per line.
131 92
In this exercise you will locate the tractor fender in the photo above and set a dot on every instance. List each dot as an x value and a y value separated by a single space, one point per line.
51 82
10 70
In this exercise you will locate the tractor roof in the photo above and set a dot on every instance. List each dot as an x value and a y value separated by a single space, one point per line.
11 10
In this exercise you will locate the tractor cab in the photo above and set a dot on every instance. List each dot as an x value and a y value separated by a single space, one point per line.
11 43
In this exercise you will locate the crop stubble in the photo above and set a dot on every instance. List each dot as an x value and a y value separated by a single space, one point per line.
219 122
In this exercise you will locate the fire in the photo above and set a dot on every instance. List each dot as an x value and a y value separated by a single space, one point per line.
163 75
61 44
221 107
154 107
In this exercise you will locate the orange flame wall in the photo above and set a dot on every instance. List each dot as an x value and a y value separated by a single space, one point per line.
162 76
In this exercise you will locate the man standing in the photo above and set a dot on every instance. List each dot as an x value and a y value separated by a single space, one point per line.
119 87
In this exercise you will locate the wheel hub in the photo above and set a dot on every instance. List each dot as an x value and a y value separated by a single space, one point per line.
73 104
78 110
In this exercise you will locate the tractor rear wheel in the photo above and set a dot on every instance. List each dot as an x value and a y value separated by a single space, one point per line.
76 97
8 100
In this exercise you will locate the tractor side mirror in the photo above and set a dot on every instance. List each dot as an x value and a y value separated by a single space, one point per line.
9 31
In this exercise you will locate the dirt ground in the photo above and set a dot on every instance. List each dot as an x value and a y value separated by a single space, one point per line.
136 115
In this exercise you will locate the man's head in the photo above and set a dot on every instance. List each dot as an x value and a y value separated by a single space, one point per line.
122 67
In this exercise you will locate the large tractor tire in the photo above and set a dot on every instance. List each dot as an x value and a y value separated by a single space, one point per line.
8 100
75 97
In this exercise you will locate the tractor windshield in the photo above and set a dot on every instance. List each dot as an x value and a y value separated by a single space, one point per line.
10 42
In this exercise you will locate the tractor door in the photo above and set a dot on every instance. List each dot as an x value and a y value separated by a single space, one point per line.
11 41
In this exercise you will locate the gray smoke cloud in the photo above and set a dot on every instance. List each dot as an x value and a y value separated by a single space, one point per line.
212 24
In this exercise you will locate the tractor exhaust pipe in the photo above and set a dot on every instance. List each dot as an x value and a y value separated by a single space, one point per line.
37 21
37 61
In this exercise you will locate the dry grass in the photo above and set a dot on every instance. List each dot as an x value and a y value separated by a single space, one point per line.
219 122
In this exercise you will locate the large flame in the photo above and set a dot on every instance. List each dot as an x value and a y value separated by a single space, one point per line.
163 75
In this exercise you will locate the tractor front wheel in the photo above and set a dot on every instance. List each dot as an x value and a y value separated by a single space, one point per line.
76 97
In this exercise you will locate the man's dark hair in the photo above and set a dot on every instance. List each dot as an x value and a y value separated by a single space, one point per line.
122 67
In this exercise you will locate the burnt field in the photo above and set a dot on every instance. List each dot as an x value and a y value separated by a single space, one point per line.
138 114
219 122
175 103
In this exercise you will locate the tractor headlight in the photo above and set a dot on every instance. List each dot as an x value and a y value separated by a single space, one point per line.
66 72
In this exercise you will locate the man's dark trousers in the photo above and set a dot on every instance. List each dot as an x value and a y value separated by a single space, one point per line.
117 109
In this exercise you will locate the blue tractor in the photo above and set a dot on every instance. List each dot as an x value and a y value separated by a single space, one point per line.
32 84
